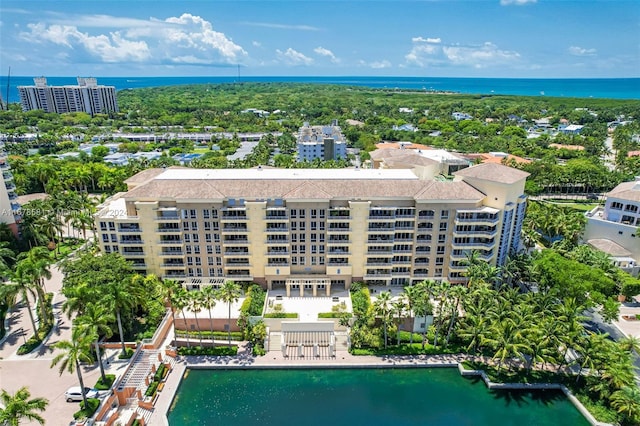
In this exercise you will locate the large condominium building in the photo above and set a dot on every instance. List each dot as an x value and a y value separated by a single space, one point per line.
323 142
87 96
313 228
614 227
9 207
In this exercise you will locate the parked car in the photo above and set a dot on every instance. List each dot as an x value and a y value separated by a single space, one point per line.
74 394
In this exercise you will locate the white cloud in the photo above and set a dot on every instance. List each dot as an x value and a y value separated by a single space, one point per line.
109 48
186 39
376 64
516 2
479 56
581 51
196 34
427 52
293 57
256 44
326 52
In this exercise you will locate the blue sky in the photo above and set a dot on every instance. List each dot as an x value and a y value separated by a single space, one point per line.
447 38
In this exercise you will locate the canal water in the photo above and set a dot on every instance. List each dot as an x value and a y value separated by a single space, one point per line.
371 397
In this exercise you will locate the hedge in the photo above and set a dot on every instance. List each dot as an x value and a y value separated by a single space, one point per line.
207 334
216 351
281 315
92 406
105 386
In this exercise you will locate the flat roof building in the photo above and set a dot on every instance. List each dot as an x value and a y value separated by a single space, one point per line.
87 96
324 228
323 142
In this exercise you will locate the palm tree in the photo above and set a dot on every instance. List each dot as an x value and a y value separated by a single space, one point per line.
24 285
627 402
35 264
399 307
123 295
6 256
74 352
209 298
229 293
167 290
630 344
195 306
180 300
16 407
95 321
457 292
412 295
382 307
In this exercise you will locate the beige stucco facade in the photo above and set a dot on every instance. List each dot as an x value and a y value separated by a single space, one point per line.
272 226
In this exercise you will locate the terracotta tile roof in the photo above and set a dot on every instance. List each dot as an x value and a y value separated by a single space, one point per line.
209 187
493 172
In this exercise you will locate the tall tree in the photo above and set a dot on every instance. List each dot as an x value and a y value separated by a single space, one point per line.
17 407
209 298
229 293
95 321
74 352
382 308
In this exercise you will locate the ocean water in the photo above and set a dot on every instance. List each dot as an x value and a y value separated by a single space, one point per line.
350 397
616 88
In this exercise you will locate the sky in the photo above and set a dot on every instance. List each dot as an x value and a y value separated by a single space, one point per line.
436 38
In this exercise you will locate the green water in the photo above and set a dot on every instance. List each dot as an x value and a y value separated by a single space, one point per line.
371 397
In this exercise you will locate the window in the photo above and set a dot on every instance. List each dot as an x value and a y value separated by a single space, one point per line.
294 213
314 213
321 248
196 249
219 261
444 214
442 238
314 249
314 237
294 225
443 226
185 214
194 226
207 237
209 249
187 238
210 260
192 213
196 238
198 261
205 214
207 226
302 260
314 225
439 261
302 214
294 238
302 238
294 249
103 226
440 250
212 272
321 227
322 213
190 260
302 226
105 238
303 249
114 238
321 260
294 260
314 260
216 238
218 251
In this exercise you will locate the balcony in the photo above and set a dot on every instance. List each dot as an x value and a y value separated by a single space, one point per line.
170 242
125 230
173 276
236 253
277 229
236 242
168 218
277 253
380 264
234 229
180 264
136 241
139 265
236 263
473 244
475 233
378 275
171 253
337 230
382 241
339 215
277 241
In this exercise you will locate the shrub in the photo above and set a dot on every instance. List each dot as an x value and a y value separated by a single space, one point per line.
86 412
107 385
151 390
128 353
281 315
258 350
159 373
330 314
206 334
216 351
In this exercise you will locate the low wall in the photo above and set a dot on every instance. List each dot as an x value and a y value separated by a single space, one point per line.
219 324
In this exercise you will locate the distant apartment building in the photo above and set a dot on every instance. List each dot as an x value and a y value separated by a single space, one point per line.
311 230
9 207
614 227
323 142
87 96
